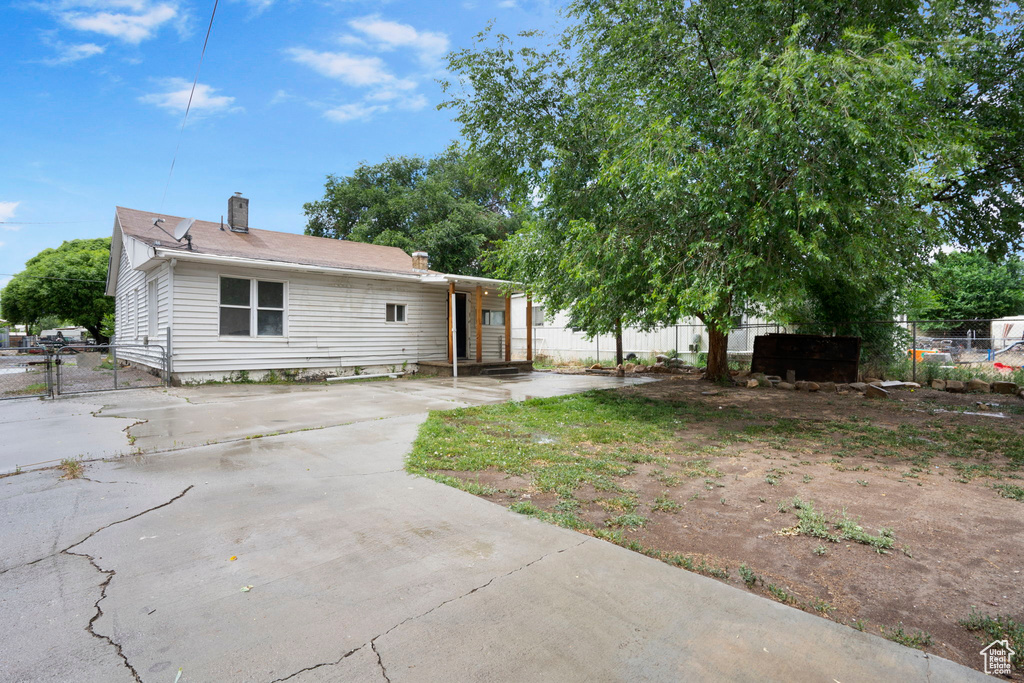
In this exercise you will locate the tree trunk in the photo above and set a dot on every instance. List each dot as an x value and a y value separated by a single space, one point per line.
718 356
94 330
618 341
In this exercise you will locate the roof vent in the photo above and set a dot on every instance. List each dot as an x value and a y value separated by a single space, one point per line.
238 213
420 260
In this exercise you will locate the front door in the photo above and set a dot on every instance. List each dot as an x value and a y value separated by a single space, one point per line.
460 325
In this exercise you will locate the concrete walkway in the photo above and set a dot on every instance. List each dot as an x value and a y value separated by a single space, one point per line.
358 571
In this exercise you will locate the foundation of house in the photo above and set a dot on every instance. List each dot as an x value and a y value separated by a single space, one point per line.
437 368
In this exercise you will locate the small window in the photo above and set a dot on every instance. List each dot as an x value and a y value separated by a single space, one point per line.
234 307
538 316
239 317
270 309
151 306
395 313
494 318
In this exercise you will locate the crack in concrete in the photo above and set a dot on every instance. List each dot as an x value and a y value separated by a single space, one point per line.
380 662
373 641
317 666
110 576
120 521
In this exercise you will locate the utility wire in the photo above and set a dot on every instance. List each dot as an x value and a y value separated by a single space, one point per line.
188 107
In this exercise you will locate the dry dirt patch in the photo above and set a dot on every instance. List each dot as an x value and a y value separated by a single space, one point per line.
896 517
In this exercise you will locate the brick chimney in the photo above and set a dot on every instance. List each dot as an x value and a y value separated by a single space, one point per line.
238 213
420 260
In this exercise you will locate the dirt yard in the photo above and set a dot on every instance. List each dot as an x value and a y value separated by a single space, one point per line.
900 517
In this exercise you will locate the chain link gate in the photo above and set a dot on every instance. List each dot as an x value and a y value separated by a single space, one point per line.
89 368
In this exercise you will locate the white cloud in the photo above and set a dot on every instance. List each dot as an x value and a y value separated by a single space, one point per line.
7 210
429 46
383 90
68 53
357 111
176 93
508 4
349 69
132 21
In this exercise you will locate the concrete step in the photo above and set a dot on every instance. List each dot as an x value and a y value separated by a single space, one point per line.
500 371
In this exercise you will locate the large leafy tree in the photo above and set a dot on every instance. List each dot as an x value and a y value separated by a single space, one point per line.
67 282
708 157
969 285
443 205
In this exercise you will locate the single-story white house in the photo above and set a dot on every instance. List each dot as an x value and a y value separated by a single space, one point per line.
228 299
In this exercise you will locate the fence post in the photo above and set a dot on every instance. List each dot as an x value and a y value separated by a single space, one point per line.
50 379
914 351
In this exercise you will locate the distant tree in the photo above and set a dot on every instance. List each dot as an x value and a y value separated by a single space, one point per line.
970 285
67 283
443 205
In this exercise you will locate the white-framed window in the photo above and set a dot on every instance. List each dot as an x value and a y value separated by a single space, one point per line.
538 316
395 313
494 318
251 308
151 306
136 312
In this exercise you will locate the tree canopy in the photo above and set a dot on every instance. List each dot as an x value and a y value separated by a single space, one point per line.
67 282
708 158
968 285
442 205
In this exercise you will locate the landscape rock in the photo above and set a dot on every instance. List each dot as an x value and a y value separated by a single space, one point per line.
827 387
620 371
859 386
978 385
597 366
760 377
911 385
628 367
753 384
1005 387
984 407
874 391
875 383
786 385
939 384
807 386
892 384
773 378
637 369
790 376
954 386
871 380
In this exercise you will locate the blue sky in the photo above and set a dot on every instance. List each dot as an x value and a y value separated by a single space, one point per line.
290 90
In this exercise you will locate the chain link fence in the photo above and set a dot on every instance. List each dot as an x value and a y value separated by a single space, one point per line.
48 370
910 350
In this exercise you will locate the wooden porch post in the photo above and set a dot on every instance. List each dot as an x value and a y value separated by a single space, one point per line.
479 323
508 329
451 315
529 328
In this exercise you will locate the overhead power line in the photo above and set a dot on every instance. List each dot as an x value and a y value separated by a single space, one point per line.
188 106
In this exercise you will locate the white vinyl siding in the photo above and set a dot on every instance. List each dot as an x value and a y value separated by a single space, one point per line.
135 310
331 322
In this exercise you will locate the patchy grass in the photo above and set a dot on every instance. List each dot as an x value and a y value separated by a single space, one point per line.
72 467
640 467
998 628
1010 491
918 639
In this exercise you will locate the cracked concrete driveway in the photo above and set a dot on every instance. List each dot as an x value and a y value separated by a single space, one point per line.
358 571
